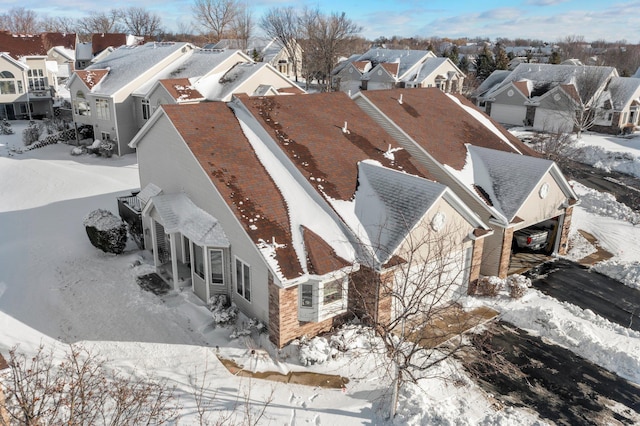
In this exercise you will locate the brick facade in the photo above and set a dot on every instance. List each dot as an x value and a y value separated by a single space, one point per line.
476 263
564 232
284 325
505 256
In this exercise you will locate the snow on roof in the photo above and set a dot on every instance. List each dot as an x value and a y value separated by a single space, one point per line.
387 205
304 209
623 90
150 190
547 76
69 54
406 59
495 78
179 214
220 87
478 115
506 178
127 63
84 51
427 68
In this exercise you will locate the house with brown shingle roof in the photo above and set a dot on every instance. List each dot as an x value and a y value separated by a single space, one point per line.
290 205
494 173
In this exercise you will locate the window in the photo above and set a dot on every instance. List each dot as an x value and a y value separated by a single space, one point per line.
102 109
243 279
36 79
217 270
307 296
332 291
20 88
80 105
7 87
105 136
198 260
6 74
145 109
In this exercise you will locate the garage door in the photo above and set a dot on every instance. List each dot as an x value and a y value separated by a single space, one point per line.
438 282
509 114
549 120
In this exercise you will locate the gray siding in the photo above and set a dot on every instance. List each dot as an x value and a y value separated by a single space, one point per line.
162 157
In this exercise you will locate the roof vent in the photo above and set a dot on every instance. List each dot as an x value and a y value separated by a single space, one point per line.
400 100
344 128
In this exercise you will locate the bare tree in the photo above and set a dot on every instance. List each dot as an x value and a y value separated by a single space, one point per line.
80 390
19 20
100 22
59 24
139 21
215 17
327 37
283 24
242 26
404 300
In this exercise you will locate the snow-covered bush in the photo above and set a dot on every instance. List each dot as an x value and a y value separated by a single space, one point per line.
5 127
222 311
488 286
247 328
106 148
106 231
315 351
32 133
518 285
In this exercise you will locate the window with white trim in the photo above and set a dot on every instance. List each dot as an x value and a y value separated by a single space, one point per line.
36 79
146 111
217 266
306 295
102 109
243 279
332 291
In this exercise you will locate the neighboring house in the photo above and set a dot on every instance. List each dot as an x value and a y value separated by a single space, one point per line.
99 47
546 97
270 51
388 69
14 100
495 174
289 205
65 61
46 59
132 82
101 94
210 75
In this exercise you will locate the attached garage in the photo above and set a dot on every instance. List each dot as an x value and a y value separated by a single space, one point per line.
550 120
509 114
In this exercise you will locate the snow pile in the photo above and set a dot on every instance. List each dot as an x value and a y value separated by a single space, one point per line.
625 272
579 246
602 158
604 204
607 344
315 351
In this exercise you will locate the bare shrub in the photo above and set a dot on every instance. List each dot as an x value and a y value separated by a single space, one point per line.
80 390
488 286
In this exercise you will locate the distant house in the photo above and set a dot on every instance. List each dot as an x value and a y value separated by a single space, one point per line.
545 97
101 44
29 91
270 51
289 205
388 69
127 86
494 173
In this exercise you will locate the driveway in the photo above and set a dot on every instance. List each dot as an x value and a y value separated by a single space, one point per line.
570 282
522 370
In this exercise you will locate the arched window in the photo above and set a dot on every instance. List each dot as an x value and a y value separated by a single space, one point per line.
7 83
81 105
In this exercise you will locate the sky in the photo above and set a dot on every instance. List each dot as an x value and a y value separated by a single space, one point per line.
548 20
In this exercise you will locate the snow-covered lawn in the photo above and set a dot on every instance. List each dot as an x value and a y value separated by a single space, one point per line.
56 288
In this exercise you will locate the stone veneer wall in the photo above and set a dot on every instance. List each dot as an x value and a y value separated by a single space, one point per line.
505 256
564 232
476 263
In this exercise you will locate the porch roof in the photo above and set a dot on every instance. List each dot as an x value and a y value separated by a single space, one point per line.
178 213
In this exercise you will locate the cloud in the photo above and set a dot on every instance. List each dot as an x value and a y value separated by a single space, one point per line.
546 2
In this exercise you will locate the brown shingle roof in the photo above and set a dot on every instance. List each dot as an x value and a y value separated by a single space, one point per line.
391 67
92 77
322 258
101 41
181 89
25 45
523 87
309 129
361 65
213 134
439 125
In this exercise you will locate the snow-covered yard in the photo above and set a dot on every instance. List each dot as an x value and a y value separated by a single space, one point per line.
56 288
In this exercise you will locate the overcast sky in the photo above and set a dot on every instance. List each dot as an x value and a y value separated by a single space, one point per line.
549 20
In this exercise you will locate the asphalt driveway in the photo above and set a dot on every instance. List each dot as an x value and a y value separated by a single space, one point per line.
570 282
